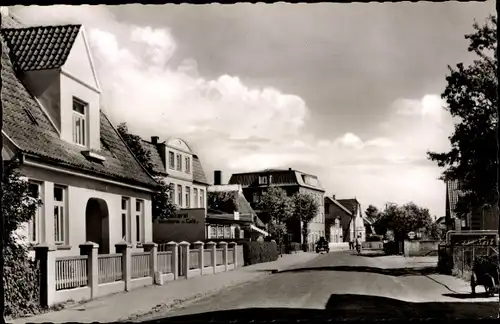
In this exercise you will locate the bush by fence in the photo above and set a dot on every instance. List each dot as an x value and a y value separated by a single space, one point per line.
258 252
459 259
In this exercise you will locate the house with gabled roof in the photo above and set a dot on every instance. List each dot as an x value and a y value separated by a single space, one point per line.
178 165
344 220
92 187
230 215
254 184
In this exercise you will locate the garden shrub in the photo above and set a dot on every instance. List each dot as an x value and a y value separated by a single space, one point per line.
20 278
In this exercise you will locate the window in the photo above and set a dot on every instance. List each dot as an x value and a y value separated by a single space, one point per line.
188 197
172 193
171 160
220 232
256 197
179 195
59 214
263 180
213 232
125 212
227 232
195 198
79 122
33 225
179 162
202 198
188 164
139 207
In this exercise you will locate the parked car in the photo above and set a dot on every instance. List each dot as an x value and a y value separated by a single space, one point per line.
322 246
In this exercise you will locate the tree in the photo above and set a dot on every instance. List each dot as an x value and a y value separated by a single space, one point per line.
404 219
471 97
163 206
134 142
372 214
278 208
305 208
20 277
222 201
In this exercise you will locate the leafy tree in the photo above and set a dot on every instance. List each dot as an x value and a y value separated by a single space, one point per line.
435 231
278 208
404 219
471 97
372 213
223 201
134 142
305 208
163 206
20 277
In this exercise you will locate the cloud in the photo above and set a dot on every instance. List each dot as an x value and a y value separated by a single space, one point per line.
236 128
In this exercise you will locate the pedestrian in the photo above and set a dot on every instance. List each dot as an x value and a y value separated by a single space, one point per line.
358 244
351 244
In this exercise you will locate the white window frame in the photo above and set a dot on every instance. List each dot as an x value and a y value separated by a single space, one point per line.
263 180
171 160
202 198
187 161
188 197
220 232
178 162
125 213
195 197
172 193
34 222
60 233
80 135
179 195
139 221
213 231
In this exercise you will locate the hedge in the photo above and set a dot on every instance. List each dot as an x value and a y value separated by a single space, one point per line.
258 252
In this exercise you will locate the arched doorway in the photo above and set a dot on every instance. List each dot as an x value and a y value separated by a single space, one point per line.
97 224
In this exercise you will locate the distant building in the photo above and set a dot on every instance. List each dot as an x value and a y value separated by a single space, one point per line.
254 184
344 220
233 218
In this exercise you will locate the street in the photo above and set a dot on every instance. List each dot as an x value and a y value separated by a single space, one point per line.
345 286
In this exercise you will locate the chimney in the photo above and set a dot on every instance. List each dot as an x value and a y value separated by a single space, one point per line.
333 196
289 169
217 177
154 139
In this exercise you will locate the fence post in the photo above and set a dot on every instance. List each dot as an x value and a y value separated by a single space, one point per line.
91 250
213 255
152 248
46 258
172 247
223 245
200 246
184 251
126 250
235 253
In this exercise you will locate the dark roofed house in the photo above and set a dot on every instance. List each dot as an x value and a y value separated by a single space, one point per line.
230 215
69 151
254 184
178 165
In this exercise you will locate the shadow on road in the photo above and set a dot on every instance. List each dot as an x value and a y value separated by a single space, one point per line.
467 296
396 272
347 306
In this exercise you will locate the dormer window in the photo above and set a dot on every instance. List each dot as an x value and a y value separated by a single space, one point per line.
263 180
79 122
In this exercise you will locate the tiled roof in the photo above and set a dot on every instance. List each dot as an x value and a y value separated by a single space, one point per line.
40 48
198 173
280 177
158 166
29 128
349 204
333 201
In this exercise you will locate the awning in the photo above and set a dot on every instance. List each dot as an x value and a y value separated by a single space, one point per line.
255 228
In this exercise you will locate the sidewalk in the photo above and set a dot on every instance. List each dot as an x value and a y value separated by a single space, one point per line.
129 305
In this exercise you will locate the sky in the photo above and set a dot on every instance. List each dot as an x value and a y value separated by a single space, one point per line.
347 92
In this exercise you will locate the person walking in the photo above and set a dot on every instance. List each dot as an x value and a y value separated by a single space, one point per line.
358 244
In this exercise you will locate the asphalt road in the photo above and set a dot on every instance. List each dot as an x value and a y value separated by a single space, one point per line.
344 286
